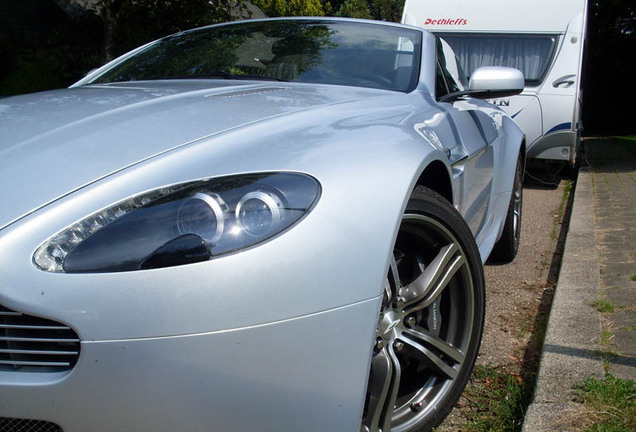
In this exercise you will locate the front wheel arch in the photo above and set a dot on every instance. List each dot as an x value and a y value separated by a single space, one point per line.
431 319
436 178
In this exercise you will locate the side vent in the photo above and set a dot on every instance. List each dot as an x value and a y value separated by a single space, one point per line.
32 344
23 425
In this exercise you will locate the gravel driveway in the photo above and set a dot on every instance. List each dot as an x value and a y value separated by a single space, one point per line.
519 294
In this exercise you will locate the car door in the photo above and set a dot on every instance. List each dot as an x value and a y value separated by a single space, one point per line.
469 135
530 53
525 109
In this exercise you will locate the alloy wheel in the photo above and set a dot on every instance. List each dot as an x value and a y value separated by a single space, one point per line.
424 330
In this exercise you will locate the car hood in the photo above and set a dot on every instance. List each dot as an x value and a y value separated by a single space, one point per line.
53 143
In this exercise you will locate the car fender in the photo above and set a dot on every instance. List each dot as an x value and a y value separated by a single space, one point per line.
346 239
513 148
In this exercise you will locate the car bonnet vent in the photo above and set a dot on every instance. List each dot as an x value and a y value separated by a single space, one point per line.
248 92
32 344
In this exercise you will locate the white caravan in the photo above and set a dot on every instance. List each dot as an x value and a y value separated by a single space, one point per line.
542 38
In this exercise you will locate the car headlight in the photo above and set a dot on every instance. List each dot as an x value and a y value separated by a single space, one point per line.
181 224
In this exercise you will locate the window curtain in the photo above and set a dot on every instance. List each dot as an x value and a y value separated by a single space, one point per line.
529 54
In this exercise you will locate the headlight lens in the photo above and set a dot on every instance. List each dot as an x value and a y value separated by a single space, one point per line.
202 214
181 224
259 212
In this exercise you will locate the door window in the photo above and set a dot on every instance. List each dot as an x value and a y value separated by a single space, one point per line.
450 74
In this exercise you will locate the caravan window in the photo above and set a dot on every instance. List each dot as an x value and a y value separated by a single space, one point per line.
531 54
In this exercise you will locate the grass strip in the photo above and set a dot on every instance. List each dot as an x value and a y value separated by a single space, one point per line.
611 403
495 399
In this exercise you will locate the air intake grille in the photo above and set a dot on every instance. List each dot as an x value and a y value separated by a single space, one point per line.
22 425
32 344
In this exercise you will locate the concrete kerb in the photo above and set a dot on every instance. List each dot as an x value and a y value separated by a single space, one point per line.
572 341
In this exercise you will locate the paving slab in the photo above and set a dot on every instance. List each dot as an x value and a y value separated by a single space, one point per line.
621 297
619 274
612 166
624 323
572 342
598 263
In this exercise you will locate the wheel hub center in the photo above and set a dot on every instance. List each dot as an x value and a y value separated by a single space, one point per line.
388 323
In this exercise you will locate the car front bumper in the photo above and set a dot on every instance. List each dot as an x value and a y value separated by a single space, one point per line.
307 373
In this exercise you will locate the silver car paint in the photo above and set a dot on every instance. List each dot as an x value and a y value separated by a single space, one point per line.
187 328
256 379
103 122
337 218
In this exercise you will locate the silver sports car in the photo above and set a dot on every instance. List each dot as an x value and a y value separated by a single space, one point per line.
272 225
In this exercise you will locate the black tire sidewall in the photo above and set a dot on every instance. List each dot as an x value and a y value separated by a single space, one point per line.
506 248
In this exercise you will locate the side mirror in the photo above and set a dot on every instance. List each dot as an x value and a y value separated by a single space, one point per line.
495 81
489 82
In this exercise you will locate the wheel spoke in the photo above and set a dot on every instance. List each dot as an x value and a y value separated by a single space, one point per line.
423 336
395 274
425 324
434 279
388 293
419 339
385 382
381 371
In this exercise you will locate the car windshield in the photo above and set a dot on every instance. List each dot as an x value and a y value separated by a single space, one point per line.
312 51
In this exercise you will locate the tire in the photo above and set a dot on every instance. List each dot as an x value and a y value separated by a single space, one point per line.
431 320
505 250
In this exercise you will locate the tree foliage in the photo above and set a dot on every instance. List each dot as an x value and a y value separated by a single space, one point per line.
383 10
331 7
52 43
277 8
42 47
130 23
609 67
355 9
613 18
